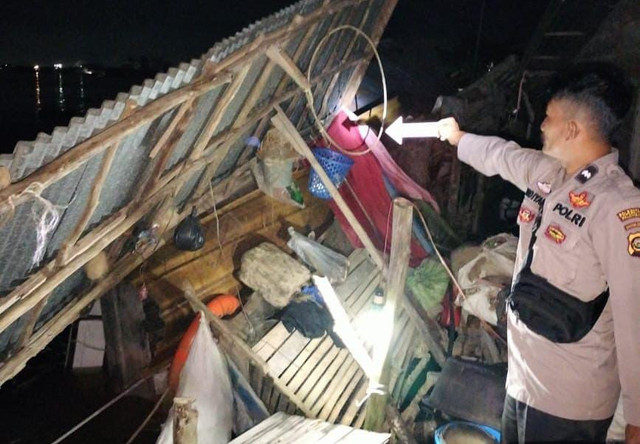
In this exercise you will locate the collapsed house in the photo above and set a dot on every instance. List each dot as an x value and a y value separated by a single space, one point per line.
96 207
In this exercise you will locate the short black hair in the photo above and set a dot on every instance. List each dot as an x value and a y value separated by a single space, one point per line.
600 87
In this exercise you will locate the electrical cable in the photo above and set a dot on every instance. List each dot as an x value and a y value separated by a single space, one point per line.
310 99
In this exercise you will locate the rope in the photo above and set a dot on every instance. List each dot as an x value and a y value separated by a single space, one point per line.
484 324
149 416
310 99
101 409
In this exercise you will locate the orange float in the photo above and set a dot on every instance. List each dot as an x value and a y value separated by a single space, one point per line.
220 306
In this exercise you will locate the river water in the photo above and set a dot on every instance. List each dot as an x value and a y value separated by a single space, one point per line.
38 100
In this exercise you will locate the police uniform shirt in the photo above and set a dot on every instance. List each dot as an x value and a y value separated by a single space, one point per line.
588 238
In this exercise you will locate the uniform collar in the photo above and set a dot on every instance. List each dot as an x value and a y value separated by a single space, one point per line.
597 167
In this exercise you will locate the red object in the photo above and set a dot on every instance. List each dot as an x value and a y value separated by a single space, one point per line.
365 178
220 306
445 316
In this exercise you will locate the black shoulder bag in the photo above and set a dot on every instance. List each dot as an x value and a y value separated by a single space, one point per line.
549 311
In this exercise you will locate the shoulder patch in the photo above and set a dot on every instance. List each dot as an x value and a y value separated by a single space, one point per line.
526 214
580 200
555 233
629 213
634 244
587 173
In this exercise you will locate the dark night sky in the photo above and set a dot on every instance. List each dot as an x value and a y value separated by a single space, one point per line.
110 32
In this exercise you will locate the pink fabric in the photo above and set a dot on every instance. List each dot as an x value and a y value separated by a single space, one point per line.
365 178
403 183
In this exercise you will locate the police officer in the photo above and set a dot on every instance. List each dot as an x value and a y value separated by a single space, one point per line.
574 309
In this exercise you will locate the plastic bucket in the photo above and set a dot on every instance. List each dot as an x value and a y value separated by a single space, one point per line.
459 432
335 164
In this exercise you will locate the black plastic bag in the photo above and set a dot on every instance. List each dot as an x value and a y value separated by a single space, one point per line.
189 234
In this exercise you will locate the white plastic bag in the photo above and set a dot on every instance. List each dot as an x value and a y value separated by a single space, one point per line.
484 276
323 260
205 378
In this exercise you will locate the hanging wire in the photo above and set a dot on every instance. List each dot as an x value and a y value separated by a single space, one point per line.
309 93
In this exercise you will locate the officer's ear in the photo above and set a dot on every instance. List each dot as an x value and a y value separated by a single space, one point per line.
573 130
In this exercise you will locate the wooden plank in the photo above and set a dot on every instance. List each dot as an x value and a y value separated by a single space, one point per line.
313 378
352 410
285 126
323 385
335 414
229 341
396 277
329 400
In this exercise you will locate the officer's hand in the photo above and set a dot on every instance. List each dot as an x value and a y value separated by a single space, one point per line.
632 434
449 130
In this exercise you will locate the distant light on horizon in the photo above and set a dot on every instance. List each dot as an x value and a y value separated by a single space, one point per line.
58 66
36 67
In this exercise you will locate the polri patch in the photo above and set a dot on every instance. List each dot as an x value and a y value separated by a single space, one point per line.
555 233
587 173
634 244
629 213
526 214
579 200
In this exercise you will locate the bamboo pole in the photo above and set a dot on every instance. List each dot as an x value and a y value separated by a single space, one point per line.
395 277
185 421
284 125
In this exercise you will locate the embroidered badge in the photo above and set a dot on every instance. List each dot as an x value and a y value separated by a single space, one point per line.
632 225
634 244
544 187
554 232
579 200
526 215
629 213
587 173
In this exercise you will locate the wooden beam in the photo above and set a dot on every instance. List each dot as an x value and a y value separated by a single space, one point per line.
395 278
228 339
277 55
69 314
90 208
286 128
131 212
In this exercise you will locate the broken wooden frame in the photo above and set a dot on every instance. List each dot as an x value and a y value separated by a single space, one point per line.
159 184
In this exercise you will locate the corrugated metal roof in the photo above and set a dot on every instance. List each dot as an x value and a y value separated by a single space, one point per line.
206 145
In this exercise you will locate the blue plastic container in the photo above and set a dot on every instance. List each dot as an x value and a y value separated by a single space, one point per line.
335 164
454 427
